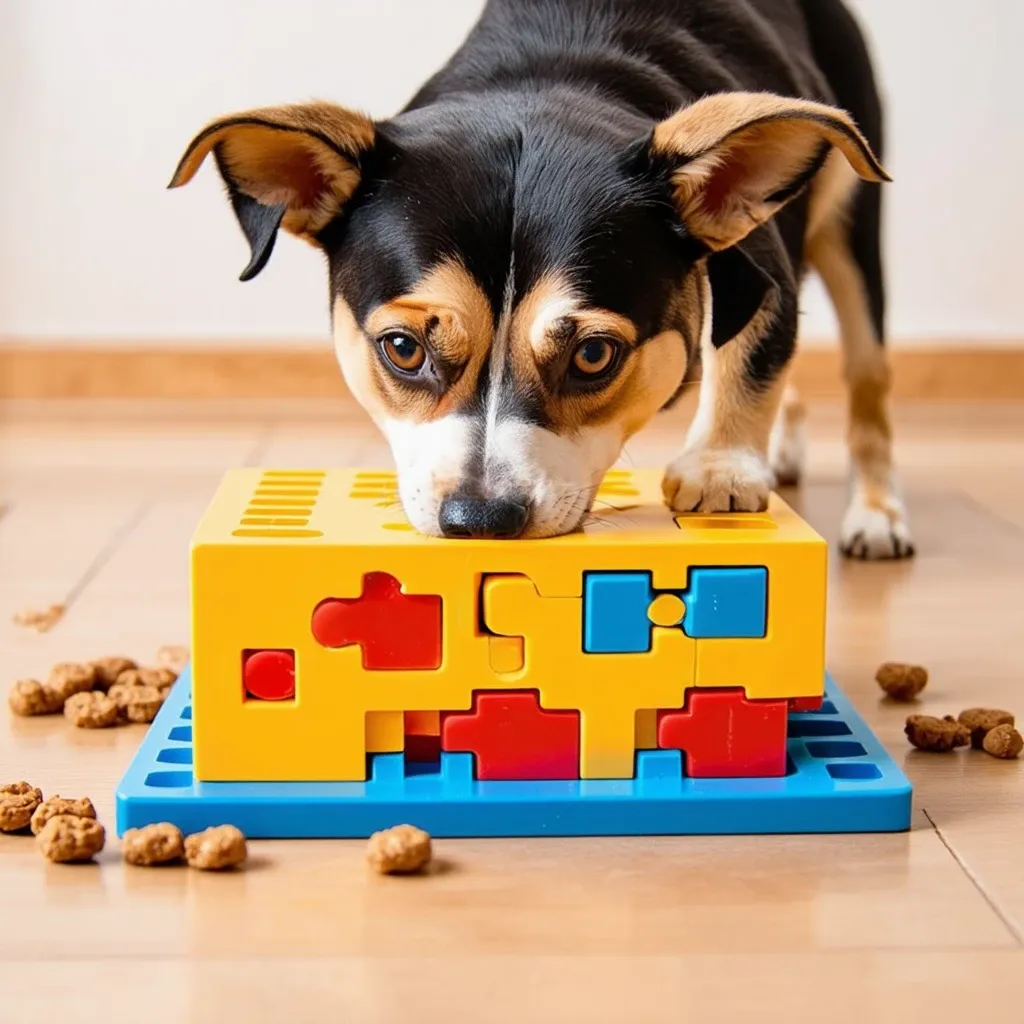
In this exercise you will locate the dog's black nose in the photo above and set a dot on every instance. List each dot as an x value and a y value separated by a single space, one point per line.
495 518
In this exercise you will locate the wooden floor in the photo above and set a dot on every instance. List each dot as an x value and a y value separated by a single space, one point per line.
98 504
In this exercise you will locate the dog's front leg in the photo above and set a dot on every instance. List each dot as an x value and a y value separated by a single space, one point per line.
724 464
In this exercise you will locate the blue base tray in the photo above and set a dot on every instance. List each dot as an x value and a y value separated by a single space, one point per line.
840 780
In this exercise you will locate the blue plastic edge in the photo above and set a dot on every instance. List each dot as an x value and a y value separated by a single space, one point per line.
450 802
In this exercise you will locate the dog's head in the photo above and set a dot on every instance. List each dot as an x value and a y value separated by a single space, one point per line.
518 285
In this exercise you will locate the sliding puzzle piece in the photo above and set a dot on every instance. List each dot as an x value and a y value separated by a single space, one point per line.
730 603
615 612
619 608
395 630
513 738
725 735
606 689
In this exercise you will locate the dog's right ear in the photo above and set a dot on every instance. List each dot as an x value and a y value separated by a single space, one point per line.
293 167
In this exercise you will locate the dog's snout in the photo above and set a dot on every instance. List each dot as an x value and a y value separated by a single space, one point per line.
462 515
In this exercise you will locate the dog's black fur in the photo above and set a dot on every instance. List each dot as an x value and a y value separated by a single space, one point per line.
533 141
556 145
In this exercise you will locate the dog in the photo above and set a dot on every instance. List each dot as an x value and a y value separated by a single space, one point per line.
593 204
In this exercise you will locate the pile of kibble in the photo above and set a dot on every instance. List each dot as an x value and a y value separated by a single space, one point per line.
101 693
67 832
989 729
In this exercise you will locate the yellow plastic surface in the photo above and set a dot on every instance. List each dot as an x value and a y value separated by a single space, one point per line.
666 610
255 585
385 732
506 653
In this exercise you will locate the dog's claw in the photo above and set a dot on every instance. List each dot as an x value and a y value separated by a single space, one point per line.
718 480
875 534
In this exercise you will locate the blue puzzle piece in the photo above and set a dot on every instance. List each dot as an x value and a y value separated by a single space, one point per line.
726 603
615 612
840 779
720 603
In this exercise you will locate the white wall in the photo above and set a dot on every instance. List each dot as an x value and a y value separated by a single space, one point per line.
98 97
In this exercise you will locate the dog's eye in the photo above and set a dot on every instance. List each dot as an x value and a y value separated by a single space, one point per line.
594 358
403 352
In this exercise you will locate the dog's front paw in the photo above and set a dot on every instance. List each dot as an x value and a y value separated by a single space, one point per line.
875 530
718 480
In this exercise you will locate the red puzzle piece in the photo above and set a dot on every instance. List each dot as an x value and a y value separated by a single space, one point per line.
514 738
725 735
395 630
269 675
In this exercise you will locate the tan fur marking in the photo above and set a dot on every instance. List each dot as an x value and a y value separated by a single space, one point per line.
866 366
299 156
738 149
448 295
743 417
604 321
700 127
357 362
550 343
547 302
643 384
831 191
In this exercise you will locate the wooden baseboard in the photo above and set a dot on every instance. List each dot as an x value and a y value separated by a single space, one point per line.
961 373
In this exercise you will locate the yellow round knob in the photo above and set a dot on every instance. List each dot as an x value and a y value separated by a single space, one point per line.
666 610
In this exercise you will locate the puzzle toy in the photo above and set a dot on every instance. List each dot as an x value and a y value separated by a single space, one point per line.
653 673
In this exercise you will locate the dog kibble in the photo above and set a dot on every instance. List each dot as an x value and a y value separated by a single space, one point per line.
55 805
30 697
160 678
67 838
92 710
109 669
141 703
153 844
1003 741
981 721
137 703
173 656
42 620
401 850
936 734
18 801
901 682
216 849
70 677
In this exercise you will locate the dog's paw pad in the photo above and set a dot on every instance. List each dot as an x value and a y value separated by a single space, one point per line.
871 533
718 480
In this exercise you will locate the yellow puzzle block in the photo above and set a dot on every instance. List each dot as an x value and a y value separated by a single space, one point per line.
273 545
385 732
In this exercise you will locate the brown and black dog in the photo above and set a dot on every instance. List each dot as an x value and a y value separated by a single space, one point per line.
593 203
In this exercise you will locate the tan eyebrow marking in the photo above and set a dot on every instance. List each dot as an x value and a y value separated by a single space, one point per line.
604 321
447 307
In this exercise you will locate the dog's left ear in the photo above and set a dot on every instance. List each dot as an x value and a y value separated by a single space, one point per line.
735 159
293 167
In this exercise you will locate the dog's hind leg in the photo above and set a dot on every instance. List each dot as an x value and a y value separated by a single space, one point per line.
845 250
787 446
